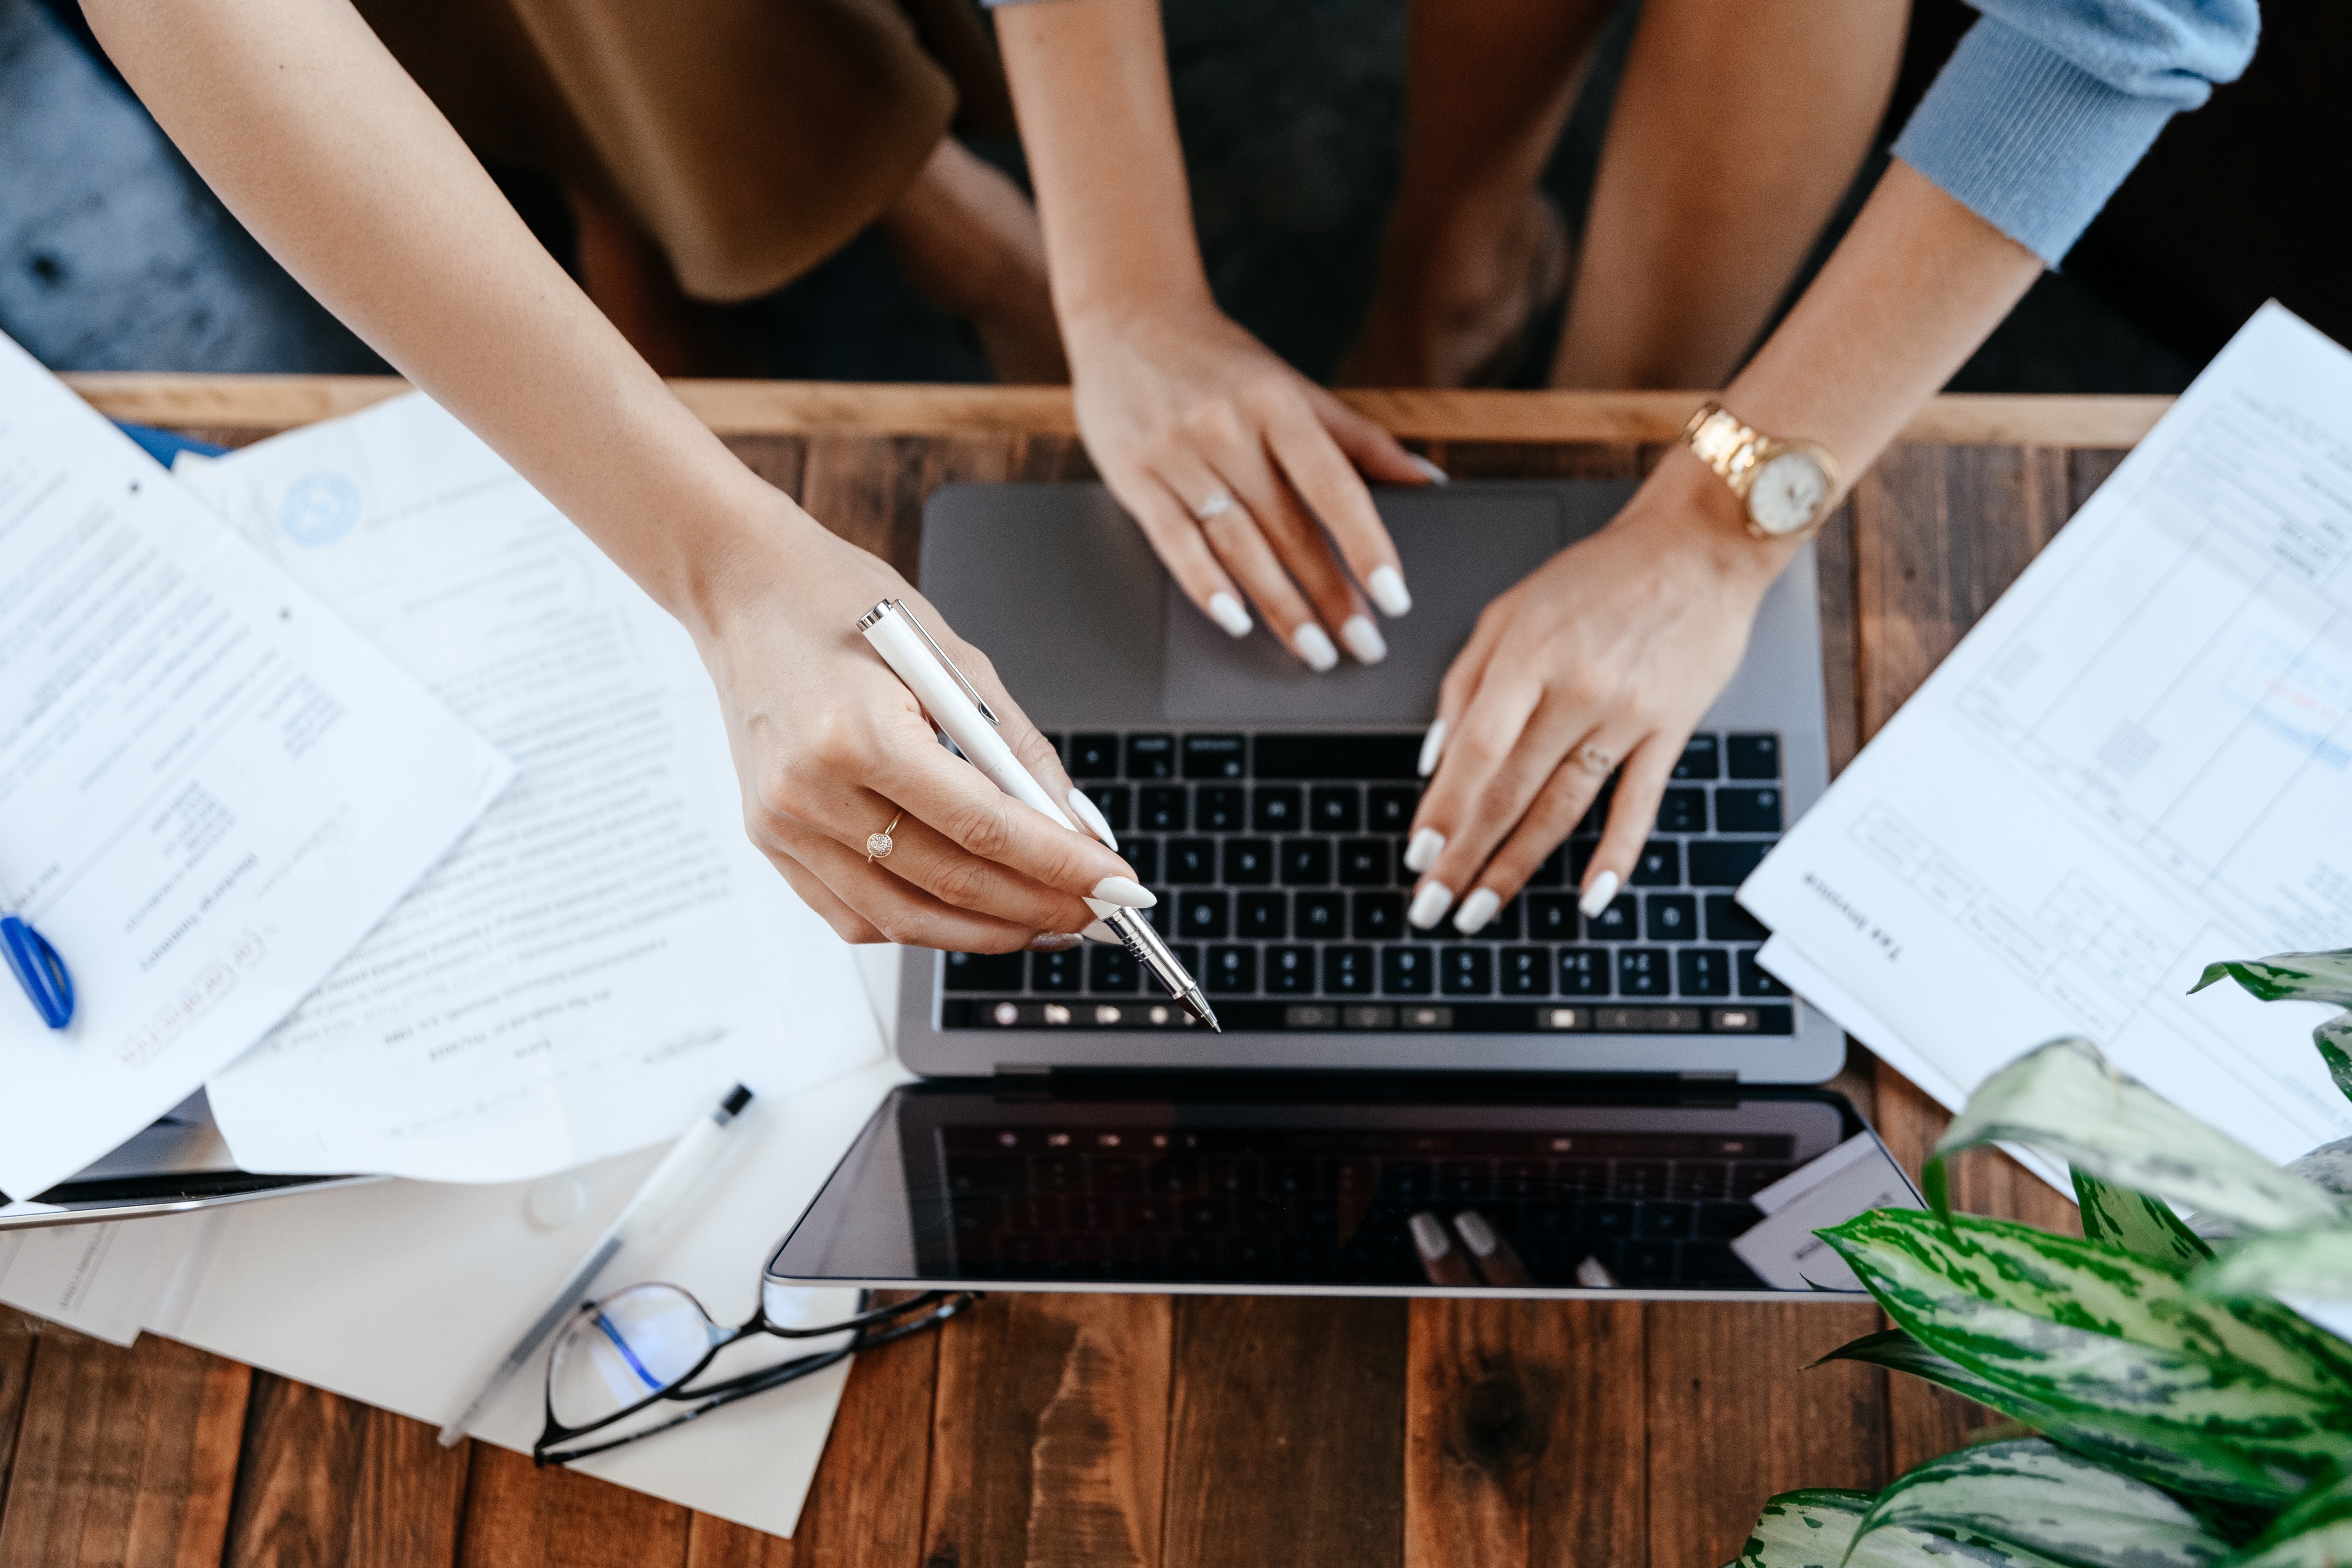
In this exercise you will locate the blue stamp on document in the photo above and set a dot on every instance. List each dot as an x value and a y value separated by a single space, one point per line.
319 509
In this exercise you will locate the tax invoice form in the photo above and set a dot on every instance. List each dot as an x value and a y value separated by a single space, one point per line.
211 788
607 953
2138 762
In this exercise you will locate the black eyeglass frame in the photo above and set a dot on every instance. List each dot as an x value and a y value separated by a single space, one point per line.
870 1328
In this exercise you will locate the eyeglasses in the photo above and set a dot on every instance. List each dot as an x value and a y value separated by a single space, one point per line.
639 1351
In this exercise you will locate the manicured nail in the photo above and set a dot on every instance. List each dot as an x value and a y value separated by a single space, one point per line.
1429 1236
1227 611
1386 585
1314 646
1054 941
1596 897
1430 744
1126 893
1364 639
1477 910
1429 905
1431 471
1424 849
1476 1234
1091 814
1099 931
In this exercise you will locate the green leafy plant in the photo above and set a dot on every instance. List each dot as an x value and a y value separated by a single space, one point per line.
2166 1408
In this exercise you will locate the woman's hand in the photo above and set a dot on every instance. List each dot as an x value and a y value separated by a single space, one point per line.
1606 656
1236 465
830 746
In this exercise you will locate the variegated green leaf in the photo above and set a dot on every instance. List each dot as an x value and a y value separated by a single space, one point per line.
1816 1530
2034 1497
2315 1532
2288 977
2065 1097
2298 1262
2136 1222
2329 1165
2334 1039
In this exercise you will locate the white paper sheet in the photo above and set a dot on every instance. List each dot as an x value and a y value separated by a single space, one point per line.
1855 1176
105 1280
2138 762
210 786
606 953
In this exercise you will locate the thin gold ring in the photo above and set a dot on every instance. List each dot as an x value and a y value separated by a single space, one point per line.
878 845
1593 759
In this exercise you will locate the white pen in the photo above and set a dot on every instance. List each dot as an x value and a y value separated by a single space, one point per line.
960 710
687 1162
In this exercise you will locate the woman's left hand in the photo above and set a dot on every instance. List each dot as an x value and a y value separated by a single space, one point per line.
1607 656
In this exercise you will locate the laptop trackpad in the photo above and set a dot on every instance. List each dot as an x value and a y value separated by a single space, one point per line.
1459 551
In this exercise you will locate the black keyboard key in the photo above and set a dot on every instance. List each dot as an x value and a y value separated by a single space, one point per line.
1094 756
1249 862
1725 862
1305 862
1218 809
1753 757
1277 808
1753 980
1579 858
1152 757
1214 757
1378 917
1673 917
1748 810
1335 809
1618 922
1143 854
1307 756
1164 809
1467 971
1682 811
1702 758
1233 971
1668 1221
1192 860
1407 971
1320 917
1187 954
1364 862
1503 927
1553 872
1111 970
1660 865
1290 971
1703 971
1063 971
1113 801
1348 970
1526 971
1391 807
983 972
1642 972
1202 916
1551 916
1584 971
1261 917
1727 921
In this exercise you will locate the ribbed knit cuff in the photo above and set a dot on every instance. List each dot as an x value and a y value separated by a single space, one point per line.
2025 139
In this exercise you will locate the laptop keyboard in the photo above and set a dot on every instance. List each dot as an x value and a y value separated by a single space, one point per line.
1278 860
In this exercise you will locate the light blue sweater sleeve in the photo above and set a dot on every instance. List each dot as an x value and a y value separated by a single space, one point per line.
2047 104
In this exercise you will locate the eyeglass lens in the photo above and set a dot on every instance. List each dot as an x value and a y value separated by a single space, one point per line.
629 1347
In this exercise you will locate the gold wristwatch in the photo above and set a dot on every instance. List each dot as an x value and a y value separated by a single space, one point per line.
1786 486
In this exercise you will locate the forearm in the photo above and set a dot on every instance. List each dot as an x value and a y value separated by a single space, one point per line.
318 142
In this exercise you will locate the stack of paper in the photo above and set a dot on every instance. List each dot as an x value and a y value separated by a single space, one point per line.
2138 762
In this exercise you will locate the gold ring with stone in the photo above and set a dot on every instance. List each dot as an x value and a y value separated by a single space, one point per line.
1595 761
878 845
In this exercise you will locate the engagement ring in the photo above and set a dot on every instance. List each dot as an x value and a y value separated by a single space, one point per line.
1595 761
878 845
1216 505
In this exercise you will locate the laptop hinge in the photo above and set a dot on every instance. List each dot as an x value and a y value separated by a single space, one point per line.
1024 1069
1709 1075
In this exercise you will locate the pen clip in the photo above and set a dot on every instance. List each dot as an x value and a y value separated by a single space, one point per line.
970 690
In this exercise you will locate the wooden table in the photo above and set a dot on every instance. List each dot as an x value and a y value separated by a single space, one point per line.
1121 1429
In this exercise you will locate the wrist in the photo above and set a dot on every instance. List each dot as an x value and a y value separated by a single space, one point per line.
1093 316
730 562
1687 513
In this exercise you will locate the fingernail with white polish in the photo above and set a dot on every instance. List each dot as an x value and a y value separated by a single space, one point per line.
1596 897
1126 894
1435 475
1477 910
1386 585
1227 611
1429 905
1091 814
1314 646
1430 745
1424 849
1054 941
1099 931
1364 639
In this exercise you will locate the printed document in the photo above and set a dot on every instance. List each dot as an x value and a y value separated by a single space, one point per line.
2139 761
606 953
211 788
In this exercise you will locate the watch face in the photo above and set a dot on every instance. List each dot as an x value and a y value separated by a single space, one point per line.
1787 492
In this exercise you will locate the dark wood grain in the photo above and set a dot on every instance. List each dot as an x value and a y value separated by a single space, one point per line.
521 1517
330 1482
18 1334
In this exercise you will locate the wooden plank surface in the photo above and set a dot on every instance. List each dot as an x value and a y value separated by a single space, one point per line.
1064 1429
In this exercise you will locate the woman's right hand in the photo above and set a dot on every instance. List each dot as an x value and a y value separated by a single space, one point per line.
829 745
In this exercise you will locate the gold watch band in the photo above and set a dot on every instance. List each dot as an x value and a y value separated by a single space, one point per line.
1737 453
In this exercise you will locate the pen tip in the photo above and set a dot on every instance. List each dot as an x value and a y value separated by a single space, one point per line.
737 1099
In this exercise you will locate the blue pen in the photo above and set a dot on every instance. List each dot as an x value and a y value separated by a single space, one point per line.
40 971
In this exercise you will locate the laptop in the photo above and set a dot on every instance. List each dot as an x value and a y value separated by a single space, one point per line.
1603 1098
